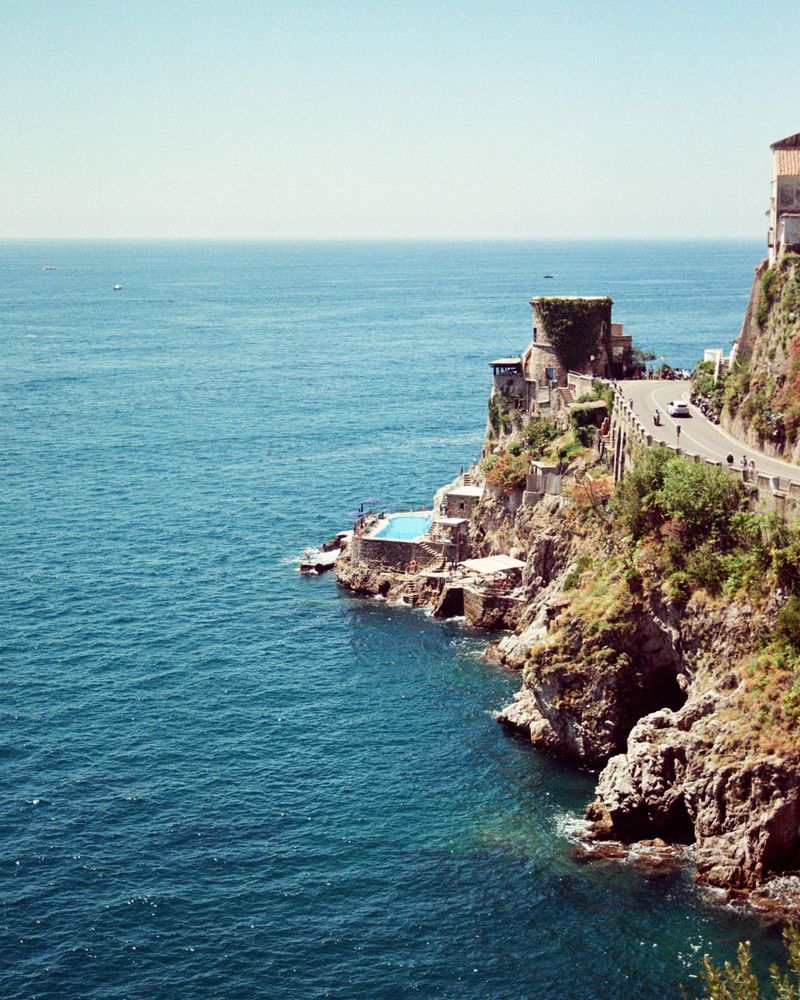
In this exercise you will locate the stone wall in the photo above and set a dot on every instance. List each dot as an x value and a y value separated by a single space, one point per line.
485 609
391 553
544 481
545 365
510 384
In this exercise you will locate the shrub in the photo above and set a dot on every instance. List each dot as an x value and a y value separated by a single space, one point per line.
678 585
787 626
702 497
497 412
582 421
788 399
737 385
706 568
572 580
693 526
633 500
508 471
593 492
570 450
769 284
537 435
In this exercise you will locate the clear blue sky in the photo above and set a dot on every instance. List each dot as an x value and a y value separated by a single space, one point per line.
392 119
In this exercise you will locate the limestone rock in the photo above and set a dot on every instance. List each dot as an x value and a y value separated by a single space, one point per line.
523 716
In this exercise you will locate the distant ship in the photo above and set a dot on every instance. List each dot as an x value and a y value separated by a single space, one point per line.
49 267
117 288
548 275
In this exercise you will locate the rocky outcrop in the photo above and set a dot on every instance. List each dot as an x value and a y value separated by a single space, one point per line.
593 681
652 693
369 580
523 716
686 778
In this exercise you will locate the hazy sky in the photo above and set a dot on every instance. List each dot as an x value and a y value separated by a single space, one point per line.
392 119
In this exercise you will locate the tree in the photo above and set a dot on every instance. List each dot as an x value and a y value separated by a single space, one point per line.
703 498
738 981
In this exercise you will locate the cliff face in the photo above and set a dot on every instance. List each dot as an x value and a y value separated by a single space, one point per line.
642 662
762 391
699 774
654 694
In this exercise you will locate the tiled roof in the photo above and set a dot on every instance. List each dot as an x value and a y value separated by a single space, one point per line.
787 162
790 142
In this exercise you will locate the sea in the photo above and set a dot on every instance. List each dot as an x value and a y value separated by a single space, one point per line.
219 778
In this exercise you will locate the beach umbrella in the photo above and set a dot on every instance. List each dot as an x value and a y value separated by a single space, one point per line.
354 515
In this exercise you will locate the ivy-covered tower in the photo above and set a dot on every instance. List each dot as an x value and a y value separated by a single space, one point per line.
570 333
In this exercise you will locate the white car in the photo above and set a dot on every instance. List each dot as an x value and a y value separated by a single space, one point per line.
677 408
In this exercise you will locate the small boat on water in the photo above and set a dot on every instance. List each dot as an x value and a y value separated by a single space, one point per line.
547 275
49 267
117 288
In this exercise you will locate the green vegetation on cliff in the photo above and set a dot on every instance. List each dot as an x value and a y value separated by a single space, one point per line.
690 526
530 440
676 531
763 388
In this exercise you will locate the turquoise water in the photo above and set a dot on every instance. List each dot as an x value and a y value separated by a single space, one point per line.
405 527
219 778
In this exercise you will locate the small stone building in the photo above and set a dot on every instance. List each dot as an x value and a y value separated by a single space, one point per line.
508 378
459 503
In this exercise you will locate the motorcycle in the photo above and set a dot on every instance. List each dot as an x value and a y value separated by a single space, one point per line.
657 418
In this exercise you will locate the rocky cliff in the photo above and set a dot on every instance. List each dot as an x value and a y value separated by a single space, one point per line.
761 394
662 663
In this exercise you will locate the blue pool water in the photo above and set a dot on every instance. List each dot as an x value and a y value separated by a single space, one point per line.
405 527
219 778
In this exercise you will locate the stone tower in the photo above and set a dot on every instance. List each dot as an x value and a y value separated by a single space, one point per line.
570 333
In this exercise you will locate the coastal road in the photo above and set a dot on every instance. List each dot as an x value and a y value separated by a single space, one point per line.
698 434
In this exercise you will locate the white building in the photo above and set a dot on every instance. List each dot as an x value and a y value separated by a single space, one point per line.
784 202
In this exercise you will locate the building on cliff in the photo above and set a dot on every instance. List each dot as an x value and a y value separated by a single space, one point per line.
574 340
784 202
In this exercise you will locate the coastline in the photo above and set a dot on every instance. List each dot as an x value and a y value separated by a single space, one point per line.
643 691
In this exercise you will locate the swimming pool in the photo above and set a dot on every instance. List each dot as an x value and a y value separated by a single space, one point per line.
405 527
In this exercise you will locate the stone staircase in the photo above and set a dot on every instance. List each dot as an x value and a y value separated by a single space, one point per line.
436 557
567 394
